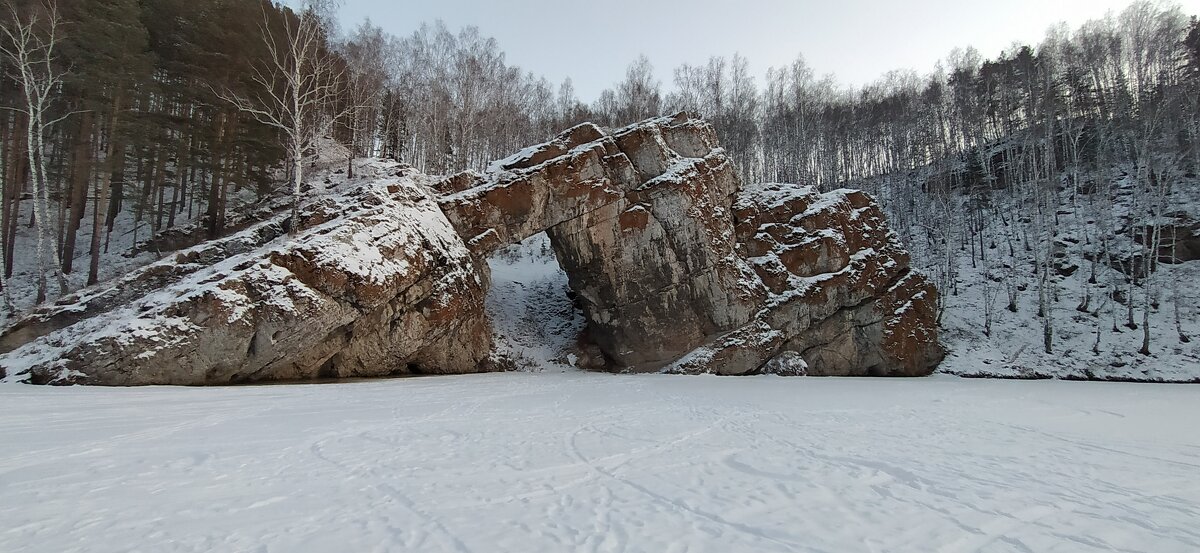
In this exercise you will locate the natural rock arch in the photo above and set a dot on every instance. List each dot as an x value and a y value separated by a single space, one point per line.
678 266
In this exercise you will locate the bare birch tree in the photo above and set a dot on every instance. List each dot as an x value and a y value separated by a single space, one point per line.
28 41
298 83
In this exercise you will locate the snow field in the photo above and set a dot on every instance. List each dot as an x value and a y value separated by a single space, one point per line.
571 461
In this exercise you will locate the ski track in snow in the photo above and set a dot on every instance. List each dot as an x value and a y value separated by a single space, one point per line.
571 461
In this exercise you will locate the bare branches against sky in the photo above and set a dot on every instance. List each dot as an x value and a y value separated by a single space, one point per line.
858 40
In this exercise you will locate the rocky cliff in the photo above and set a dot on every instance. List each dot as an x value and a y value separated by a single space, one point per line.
375 282
677 266
680 267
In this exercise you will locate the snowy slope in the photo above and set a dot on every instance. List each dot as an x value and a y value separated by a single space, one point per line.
534 319
118 256
553 462
1015 347
1091 343
1086 343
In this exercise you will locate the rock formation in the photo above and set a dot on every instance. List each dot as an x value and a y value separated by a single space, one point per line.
680 268
676 265
375 282
641 222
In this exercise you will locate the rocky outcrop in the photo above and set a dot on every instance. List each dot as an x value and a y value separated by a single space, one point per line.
1178 238
640 221
375 283
676 265
840 294
679 267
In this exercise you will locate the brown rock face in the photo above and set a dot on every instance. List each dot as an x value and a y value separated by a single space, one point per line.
842 295
376 283
678 267
640 220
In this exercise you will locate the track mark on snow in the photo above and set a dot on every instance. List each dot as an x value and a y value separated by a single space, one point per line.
787 541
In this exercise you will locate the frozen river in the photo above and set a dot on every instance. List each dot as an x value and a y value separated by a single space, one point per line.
527 462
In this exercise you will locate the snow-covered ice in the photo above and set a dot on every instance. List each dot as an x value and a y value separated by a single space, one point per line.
570 461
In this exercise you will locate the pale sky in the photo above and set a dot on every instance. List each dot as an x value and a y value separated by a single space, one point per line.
593 41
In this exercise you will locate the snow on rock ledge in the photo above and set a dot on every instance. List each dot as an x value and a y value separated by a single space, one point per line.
376 283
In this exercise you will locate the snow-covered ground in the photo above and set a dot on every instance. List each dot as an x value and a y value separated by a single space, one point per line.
572 461
1090 339
535 321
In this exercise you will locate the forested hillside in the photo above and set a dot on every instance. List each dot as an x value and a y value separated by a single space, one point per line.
147 110
1050 185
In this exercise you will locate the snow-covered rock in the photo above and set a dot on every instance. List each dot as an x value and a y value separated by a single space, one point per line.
640 221
674 264
841 291
678 267
376 282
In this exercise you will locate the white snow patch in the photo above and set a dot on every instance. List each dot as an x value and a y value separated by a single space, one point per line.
534 318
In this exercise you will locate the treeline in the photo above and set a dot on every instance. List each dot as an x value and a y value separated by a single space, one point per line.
802 128
988 161
133 124
174 112
165 113
453 103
